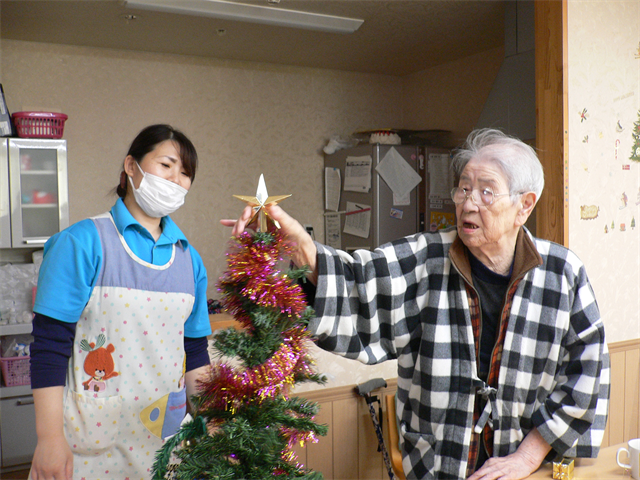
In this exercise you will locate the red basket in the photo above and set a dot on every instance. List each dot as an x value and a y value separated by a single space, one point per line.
16 371
39 124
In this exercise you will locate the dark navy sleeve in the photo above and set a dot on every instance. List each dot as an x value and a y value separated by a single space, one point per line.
309 290
196 352
198 325
50 351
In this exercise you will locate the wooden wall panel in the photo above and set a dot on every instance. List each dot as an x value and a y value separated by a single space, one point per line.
624 407
605 439
632 394
616 404
320 455
345 439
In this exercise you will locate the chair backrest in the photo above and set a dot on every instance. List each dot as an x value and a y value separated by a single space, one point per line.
394 439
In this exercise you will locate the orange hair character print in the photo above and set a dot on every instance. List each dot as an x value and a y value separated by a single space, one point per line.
99 364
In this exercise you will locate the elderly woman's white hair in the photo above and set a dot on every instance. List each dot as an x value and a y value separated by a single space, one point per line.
515 158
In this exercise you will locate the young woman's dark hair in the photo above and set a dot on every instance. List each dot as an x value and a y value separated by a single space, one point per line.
148 139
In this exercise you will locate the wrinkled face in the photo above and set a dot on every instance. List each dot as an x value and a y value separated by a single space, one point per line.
489 228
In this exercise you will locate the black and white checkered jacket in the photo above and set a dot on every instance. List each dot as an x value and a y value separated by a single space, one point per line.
407 300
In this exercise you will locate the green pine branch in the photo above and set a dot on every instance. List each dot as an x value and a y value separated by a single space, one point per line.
248 444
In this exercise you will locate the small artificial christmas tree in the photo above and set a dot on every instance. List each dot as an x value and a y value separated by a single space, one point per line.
635 133
245 424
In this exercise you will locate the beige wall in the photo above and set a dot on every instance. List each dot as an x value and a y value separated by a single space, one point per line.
244 118
450 96
604 103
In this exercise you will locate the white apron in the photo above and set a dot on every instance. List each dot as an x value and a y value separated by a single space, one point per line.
125 385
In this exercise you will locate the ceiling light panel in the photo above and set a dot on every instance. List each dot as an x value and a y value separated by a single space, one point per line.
251 13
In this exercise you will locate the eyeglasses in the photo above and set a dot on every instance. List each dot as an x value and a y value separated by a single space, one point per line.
478 196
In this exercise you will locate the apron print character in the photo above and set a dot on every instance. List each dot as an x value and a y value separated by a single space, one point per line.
164 416
98 364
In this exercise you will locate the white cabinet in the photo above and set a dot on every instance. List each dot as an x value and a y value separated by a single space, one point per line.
17 415
33 206
17 430
35 172
5 209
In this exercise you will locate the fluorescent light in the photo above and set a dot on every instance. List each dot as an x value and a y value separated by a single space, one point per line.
251 13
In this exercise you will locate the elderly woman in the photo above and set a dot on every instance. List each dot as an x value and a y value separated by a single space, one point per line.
502 360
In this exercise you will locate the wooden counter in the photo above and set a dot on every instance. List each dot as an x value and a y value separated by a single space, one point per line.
602 468
221 321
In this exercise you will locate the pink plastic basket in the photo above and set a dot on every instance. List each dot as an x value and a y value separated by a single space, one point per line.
16 371
39 124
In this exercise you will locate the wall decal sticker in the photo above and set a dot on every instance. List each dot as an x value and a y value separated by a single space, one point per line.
589 212
583 115
624 199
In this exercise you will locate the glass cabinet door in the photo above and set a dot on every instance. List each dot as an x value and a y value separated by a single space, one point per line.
39 196
5 211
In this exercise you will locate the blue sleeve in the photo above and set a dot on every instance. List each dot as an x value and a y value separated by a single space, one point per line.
71 263
197 325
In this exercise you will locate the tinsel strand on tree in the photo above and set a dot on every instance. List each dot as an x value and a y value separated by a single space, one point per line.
245 424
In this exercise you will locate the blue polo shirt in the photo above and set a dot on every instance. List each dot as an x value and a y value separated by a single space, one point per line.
73 259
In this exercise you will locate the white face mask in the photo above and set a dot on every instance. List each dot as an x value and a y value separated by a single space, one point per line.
156 196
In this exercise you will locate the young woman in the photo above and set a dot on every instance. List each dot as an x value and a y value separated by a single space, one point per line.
121 323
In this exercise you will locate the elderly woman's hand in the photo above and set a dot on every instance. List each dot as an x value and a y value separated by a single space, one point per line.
304 252
520 464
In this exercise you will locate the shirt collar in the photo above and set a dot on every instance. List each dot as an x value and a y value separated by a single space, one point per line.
526 257
170 232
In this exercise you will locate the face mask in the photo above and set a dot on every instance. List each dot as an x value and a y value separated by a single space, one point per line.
156 196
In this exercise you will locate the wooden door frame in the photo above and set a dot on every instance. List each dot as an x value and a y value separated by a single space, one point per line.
551 118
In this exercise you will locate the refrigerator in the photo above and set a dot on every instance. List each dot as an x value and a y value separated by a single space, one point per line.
368 196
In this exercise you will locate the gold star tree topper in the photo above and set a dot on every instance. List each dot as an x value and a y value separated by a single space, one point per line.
261 200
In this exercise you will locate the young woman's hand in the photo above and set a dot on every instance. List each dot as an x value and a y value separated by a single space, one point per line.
52 459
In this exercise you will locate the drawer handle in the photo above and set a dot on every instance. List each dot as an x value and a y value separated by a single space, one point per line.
22 403
35 242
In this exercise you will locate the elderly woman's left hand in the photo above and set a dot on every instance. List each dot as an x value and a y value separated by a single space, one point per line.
511 467
520 464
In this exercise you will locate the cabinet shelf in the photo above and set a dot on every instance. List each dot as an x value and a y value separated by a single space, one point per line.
39 205
15 329
19 391
37 172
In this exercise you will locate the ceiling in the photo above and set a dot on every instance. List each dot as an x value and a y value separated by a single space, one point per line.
398 37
